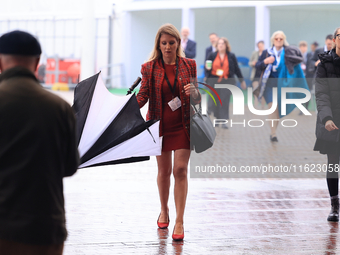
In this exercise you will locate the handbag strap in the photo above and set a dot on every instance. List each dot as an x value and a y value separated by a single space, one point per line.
199 108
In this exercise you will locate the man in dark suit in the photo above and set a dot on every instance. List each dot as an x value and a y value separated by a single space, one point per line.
37 149
310 71
213 37
315 59
188 45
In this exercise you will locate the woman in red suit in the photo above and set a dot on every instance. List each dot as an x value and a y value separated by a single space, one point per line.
167 84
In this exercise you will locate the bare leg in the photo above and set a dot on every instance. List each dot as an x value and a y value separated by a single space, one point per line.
181 160
273 124
255 84
263 103
257 104
163 182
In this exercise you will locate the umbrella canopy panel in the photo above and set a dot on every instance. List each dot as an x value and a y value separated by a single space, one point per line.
129 147
107 123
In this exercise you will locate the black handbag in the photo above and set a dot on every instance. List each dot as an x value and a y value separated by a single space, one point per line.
202 131
323 134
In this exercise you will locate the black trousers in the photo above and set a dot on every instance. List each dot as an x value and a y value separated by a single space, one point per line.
332 174
15 248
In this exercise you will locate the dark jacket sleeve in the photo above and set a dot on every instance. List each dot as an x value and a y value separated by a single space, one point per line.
211 57
314 58
72 154
322 94
310 68
190 51
260 63
237 68
208 51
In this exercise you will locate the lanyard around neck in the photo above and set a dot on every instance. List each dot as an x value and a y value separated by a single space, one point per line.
173 89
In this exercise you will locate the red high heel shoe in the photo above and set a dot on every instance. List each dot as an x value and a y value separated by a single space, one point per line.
163 225
177 237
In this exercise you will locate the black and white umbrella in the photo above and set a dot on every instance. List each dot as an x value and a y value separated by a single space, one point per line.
110 128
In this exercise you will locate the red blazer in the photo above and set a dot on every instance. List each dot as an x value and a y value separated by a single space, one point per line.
151 89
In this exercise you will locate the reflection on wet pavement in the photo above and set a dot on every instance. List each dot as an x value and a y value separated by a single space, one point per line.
113 209
330 248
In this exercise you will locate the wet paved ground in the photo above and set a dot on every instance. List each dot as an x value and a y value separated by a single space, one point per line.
244 147
113 209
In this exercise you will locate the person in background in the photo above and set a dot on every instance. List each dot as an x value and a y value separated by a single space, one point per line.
188 45
327 47
167 85
310 69
37 150
303 47
213 37
280 61
314 46
327 100
256 73
223 69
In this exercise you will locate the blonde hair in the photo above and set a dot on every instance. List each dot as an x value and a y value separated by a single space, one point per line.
168 29
225 40
272 39
334 36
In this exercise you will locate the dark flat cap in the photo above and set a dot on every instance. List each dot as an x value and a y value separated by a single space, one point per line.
19 43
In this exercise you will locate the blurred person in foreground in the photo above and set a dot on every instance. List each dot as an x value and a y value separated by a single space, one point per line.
167 84
327 92
37 149
281 67
255 72
223 70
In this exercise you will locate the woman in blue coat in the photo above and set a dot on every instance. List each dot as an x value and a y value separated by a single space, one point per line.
280 61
